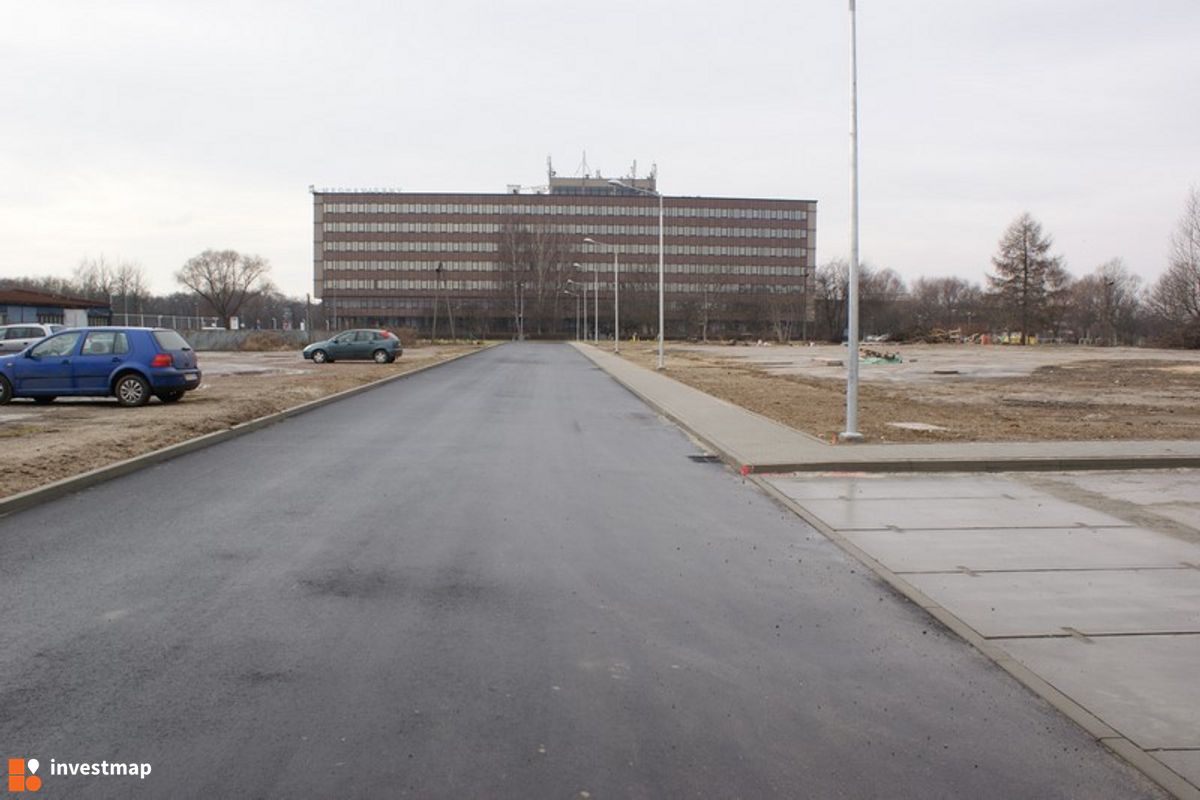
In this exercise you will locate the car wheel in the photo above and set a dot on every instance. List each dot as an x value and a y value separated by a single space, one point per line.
320 356
170 397
5 390
132 390
381 357
44 400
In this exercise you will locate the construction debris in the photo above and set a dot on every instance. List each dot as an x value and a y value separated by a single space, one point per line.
868 356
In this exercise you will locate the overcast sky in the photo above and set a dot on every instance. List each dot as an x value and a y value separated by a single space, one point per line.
151 131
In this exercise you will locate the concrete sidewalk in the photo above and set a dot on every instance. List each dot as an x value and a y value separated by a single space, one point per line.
1084 587
757 444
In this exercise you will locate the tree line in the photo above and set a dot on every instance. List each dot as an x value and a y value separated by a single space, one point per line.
1028 293
218 285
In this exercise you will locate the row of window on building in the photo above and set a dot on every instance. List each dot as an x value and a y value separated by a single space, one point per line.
570 230
649 209
494 247
603 267
387 284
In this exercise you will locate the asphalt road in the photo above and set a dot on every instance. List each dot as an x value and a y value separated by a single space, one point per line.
500 578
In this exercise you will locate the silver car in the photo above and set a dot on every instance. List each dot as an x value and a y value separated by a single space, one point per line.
18 336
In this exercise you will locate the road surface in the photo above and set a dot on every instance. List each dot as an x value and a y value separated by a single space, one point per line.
504 577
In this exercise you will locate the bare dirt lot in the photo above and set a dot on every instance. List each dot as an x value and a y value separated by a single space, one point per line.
41 444
954 392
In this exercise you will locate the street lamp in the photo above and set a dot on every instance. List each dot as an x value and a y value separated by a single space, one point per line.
851 433
584 286
595 301
576 296
624 185
616 295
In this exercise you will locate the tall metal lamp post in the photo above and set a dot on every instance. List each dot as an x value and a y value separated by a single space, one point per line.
595 300
583 285
624 185
616 294
851 434
576 296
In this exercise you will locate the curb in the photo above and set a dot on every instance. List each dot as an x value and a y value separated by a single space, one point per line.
932 465
1052 464
52 491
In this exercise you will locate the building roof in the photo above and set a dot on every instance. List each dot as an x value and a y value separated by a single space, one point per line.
25 297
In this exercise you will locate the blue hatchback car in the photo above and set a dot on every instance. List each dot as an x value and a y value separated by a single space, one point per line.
130 364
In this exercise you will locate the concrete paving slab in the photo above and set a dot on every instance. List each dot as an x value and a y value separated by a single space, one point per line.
1185 762
1024 549
884 486
1146 487
958 513
1143 686
1001 604
1188 514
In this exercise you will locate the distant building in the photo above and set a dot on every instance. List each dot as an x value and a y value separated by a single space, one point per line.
493 263
22 305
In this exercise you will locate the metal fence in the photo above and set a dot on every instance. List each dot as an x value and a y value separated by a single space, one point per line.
193 323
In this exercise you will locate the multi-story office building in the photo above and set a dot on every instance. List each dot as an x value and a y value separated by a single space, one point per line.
496 263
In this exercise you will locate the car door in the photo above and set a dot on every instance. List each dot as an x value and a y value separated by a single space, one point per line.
46 367
363 344
342 345
101 353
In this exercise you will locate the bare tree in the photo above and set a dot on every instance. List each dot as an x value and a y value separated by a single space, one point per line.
879 300
536 267
1026 274
880 292
225 279
96 277
830 288
122 283
1176 295
1106 304
945 303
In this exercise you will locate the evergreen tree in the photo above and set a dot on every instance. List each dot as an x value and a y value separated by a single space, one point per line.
1027 277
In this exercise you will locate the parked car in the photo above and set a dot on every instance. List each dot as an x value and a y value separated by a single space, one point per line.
382 346
130 364
16 337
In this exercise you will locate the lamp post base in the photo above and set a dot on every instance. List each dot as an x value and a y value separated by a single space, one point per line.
850 437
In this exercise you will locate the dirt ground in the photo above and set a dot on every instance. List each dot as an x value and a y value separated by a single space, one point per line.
972 393
41 444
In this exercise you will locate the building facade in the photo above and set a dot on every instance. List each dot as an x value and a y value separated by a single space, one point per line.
496 264
24 305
